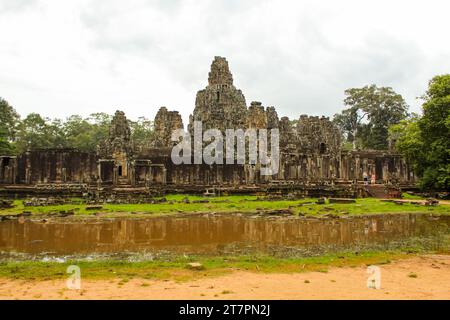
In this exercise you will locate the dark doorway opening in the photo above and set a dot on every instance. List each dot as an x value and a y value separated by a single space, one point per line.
119 171
5 162
323 148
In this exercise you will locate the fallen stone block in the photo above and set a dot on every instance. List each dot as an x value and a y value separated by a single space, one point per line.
279 212
432 202
6 204
89 208
201 201
342 200
195 266
321 201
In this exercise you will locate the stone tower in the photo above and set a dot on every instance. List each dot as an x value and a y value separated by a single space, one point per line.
318 135
119 137
165 123
220 105
116 152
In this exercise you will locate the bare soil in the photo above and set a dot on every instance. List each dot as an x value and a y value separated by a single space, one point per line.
422 277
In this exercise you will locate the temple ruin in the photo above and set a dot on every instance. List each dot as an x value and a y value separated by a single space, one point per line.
312 159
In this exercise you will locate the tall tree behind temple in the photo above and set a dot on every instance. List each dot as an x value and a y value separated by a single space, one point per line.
36 132
425 141
9 120
378 107
142 132
86 134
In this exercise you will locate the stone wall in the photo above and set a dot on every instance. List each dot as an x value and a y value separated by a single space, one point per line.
56 166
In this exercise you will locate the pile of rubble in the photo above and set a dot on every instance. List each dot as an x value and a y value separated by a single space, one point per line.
6 204
75 187
129 200
40 202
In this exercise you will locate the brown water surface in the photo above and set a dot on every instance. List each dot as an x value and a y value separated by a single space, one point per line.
217 234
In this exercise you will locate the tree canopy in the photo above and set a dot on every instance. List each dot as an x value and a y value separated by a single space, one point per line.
425 140
369 113
9 120
85 134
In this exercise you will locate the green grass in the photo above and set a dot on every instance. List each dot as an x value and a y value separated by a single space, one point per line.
177 269
234 203
408 196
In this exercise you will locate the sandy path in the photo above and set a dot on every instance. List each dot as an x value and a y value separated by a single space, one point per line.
432 282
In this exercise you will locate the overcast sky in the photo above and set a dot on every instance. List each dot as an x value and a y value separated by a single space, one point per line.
82 56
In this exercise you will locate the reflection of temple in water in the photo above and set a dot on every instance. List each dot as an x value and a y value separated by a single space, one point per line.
208 234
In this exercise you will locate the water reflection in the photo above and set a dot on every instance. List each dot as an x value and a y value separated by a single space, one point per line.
211 234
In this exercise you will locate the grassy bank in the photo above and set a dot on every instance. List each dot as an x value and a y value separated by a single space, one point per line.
235 203
179 270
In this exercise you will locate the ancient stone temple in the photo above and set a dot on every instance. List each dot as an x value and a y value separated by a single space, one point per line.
311 156
220 105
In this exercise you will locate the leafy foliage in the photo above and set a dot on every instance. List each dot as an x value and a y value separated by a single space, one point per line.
35 132
425 141
84 134
8 126
142 132
380 107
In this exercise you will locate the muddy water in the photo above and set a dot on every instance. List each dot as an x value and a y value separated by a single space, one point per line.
212 234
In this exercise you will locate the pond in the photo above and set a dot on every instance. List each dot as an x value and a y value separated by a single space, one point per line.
219 234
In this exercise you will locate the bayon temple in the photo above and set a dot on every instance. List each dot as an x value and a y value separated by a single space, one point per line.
311 157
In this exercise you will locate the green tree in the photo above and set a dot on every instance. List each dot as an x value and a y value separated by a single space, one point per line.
349 121
370 111
9 120
86 134
406 137
101 122
435 129
142 132
425 141
35 132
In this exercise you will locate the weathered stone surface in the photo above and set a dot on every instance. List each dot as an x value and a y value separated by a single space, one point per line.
256 116
165 123
5 204
311 158
321 201
432 202
220 105
195 266
318 135
119 138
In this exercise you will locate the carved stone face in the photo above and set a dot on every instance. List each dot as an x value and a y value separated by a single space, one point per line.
119 139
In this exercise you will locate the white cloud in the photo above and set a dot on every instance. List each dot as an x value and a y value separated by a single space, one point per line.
82 56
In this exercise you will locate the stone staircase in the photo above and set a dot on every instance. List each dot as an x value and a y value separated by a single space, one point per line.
376 191
381 191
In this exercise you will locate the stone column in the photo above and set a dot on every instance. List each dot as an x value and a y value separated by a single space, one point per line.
27 169
385 170
114 177
164 175
133 173
99 172
357 168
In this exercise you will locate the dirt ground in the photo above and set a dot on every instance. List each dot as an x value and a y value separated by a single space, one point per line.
424 277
